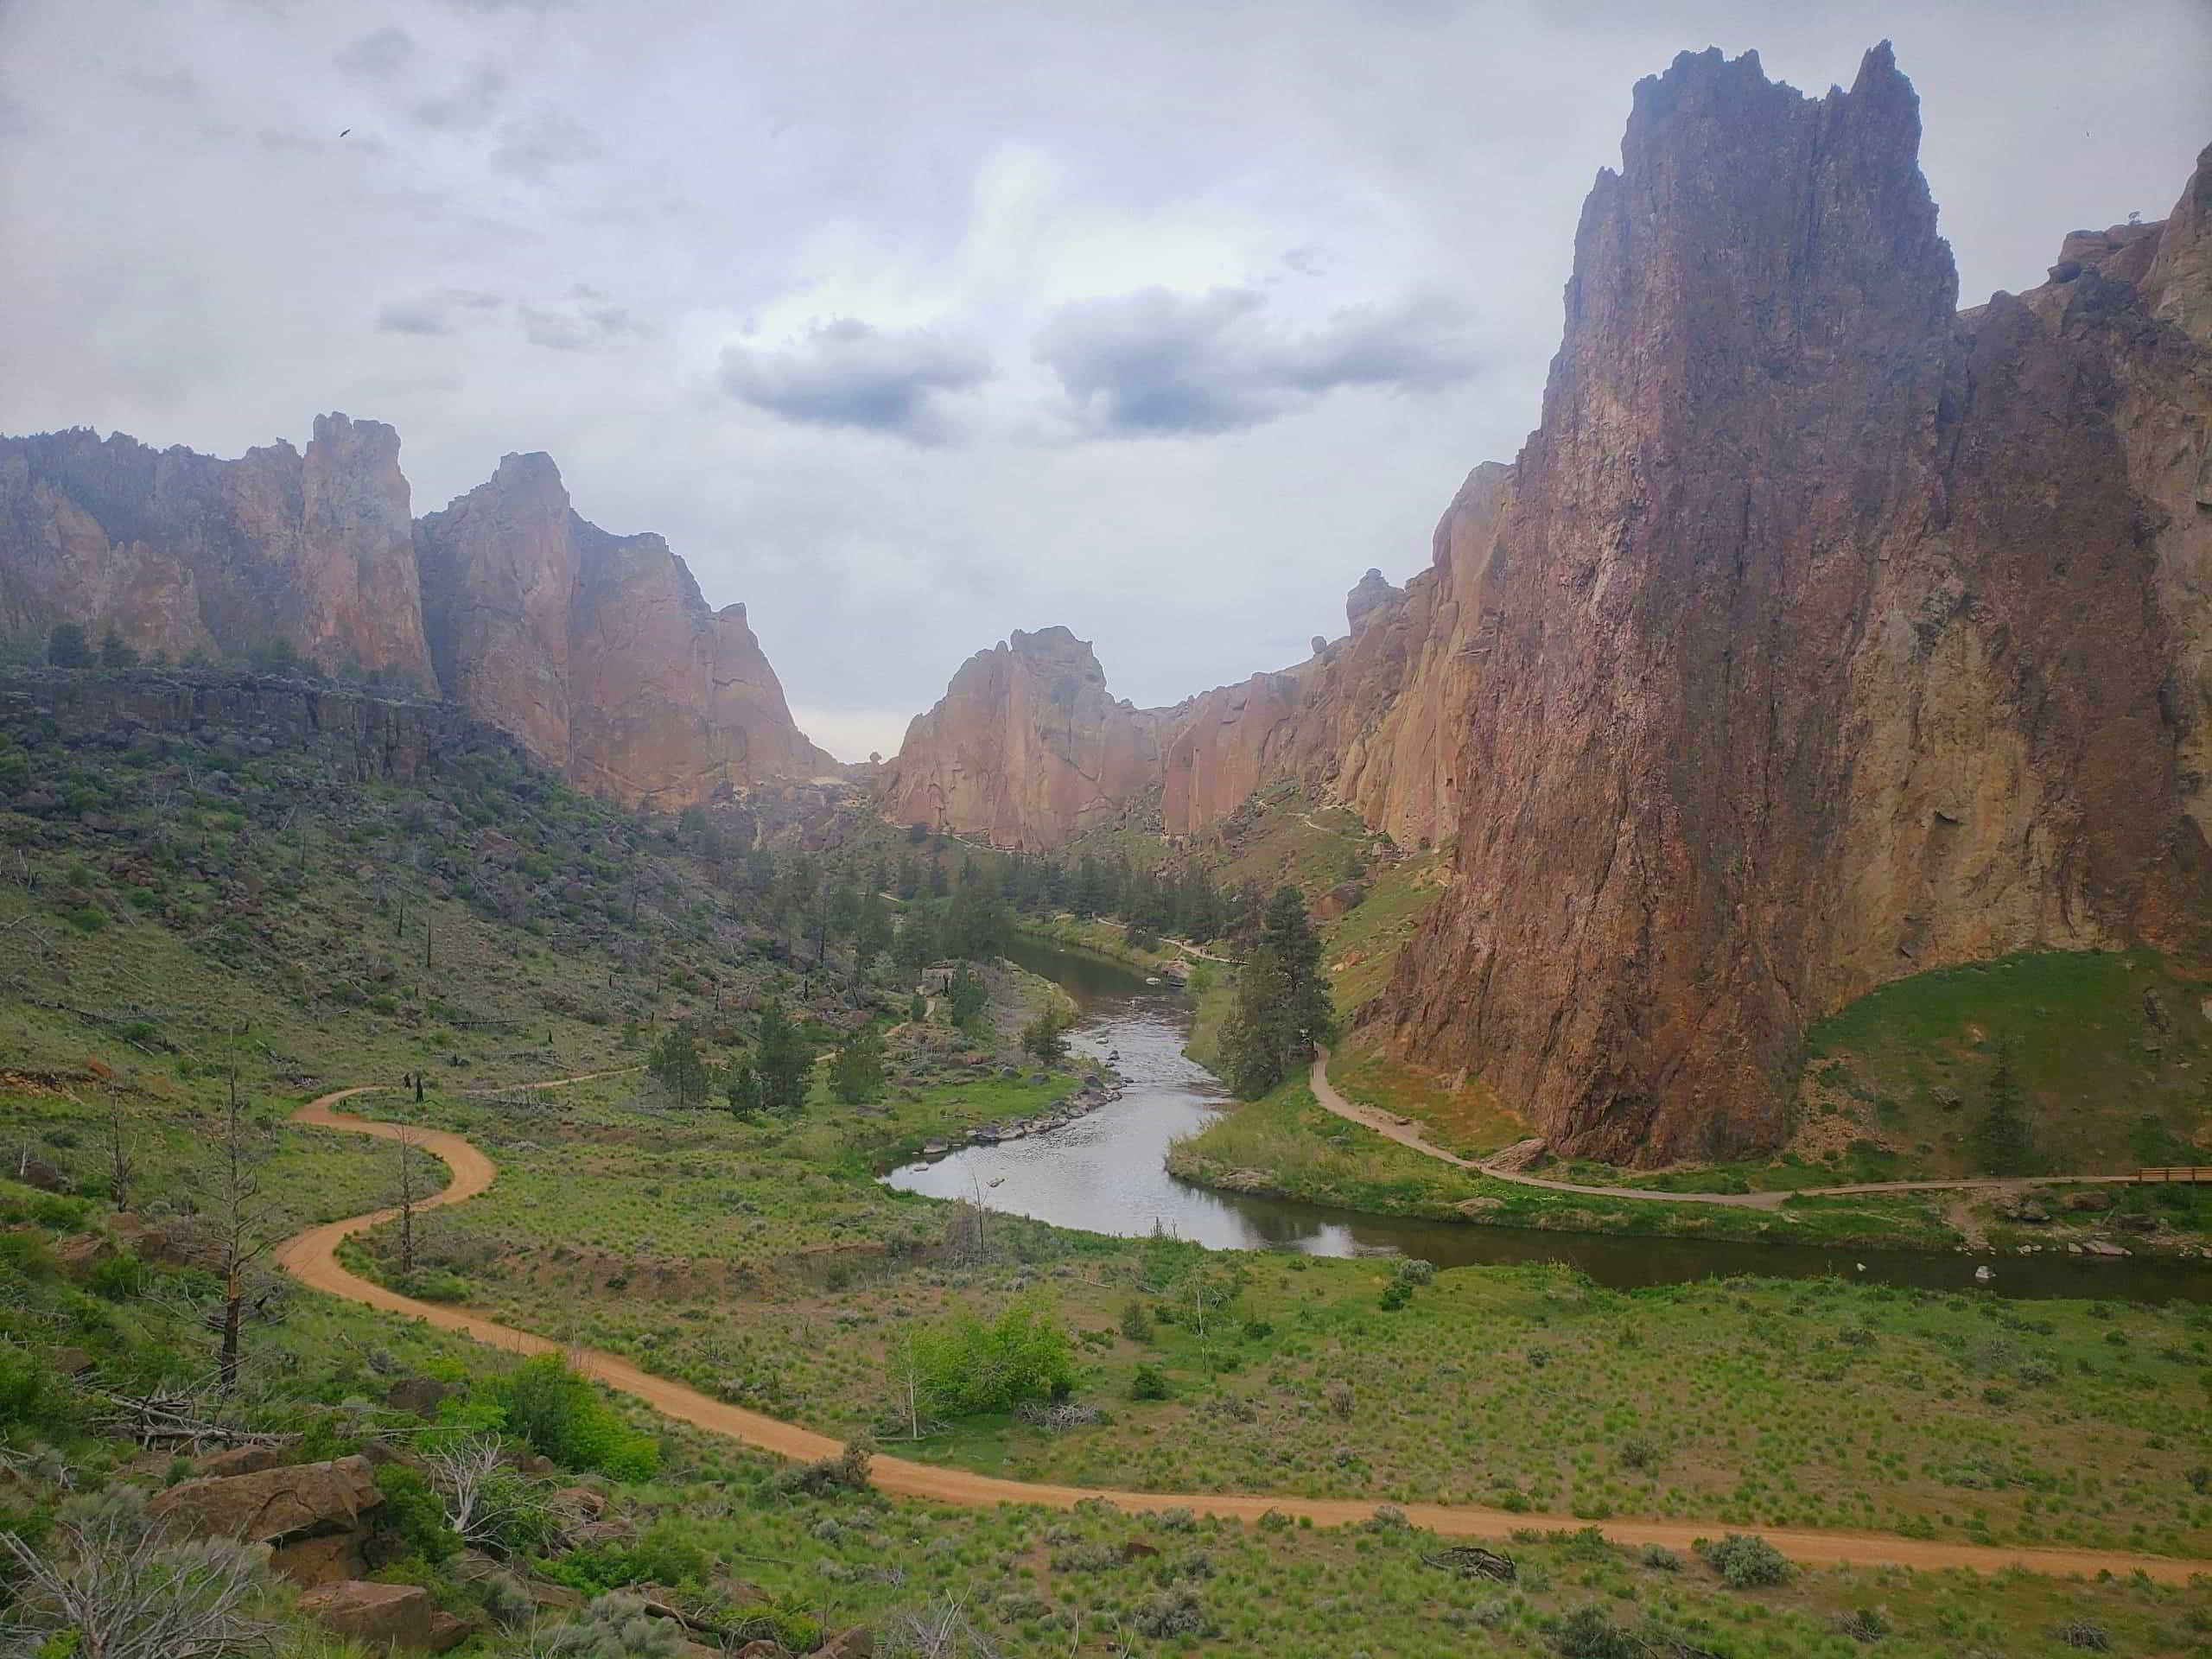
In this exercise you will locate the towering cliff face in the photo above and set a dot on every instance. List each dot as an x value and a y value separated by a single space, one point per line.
1026 748
1821 634
596 650
177 552
1832 635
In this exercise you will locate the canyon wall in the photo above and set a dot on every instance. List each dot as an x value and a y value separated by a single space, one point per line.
1822 633
596 650
1838 634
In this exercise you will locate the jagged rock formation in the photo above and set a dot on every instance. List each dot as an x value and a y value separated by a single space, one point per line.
1026 748
1837 635
1821 634
596 650
179 552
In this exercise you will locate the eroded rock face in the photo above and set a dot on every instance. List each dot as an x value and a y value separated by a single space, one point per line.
1831 635
598 651
268 1506
177 552
1026 748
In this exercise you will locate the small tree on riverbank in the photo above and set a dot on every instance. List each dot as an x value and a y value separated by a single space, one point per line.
1282 1000
1045 1037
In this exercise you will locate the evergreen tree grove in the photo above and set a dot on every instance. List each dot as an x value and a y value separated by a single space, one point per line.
784 1064
1283 1002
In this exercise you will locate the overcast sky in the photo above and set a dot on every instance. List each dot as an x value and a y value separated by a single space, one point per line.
910 325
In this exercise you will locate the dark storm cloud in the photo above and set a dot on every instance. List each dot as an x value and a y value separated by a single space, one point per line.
382 55
846 374
472 102
1160 363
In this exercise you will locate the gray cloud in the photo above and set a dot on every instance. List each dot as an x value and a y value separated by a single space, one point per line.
422 316
531 149
846 374
589 325
471 103
978 164
382 55
1157 362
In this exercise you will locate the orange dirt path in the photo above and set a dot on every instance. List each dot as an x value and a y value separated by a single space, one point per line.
312 1258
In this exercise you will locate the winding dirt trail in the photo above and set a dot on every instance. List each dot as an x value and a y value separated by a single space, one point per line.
311 1257
1396 1128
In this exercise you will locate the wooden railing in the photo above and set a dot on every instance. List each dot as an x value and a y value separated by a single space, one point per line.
2193 1175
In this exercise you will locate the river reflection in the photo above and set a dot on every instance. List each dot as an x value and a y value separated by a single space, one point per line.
1105 1174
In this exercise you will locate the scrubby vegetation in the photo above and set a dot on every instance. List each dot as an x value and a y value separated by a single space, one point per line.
182 920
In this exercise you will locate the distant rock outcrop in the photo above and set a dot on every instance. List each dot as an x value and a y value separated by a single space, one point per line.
179 553
596 650
1026 748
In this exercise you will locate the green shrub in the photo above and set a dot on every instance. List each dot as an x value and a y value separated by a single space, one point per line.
412 1513
1744 1562
614 1627
31 1396
118 1277
1147 1384
564 1417
967 1367
847 1472
1586 1633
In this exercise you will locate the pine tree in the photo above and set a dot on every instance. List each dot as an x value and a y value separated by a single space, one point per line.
66 646
114 653
2003 1137
1255 1041
742 1088
783 1061
1045 1037
1288 931
1283 1002
969 998
676 1063
872 932
856 1071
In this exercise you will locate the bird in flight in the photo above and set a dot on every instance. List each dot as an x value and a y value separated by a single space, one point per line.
343 134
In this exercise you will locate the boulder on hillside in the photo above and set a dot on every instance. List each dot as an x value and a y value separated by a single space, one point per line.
393 1617
271 1505
239 1460
858 1642
173 1242
330 1558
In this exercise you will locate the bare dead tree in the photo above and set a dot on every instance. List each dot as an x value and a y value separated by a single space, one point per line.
119 1167
482 1492
109 1583
245 1230
405 1139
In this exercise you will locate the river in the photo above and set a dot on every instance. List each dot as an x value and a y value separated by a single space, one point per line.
1105 1174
